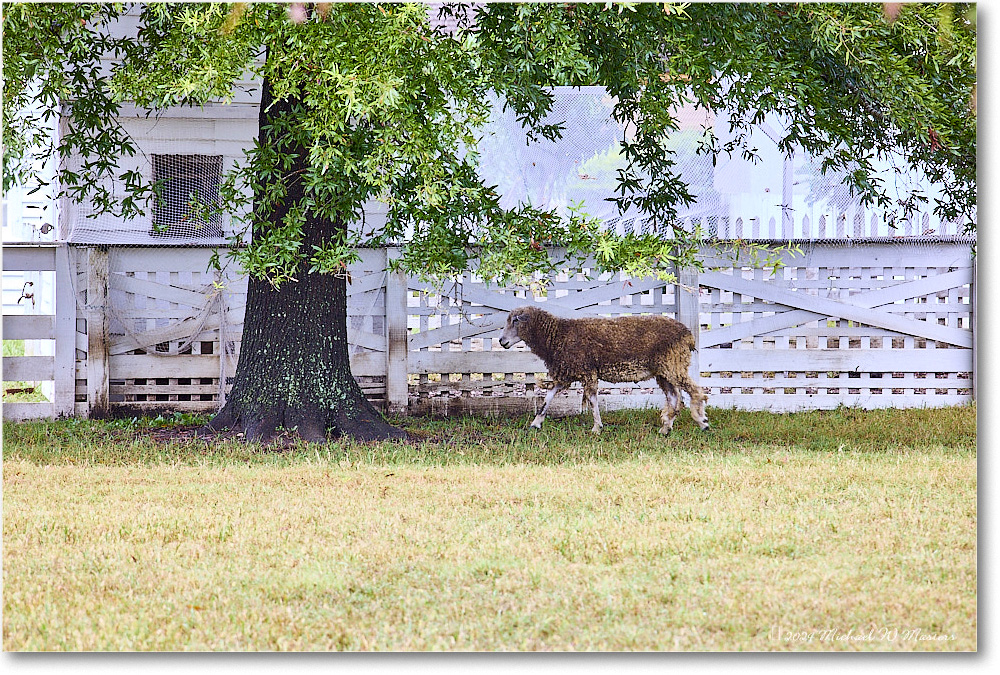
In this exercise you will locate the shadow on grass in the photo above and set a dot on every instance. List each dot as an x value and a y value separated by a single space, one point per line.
628 435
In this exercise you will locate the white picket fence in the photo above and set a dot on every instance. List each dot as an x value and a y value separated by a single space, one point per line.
858 323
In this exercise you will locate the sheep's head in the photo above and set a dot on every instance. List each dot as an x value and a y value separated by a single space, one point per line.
516 320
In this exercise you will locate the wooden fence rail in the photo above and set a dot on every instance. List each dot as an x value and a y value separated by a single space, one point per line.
868 324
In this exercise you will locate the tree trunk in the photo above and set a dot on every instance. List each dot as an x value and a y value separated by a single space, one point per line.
294 371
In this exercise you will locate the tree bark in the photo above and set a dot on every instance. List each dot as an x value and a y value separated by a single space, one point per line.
294 371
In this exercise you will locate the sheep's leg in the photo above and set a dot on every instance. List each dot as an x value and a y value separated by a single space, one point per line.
670 407
540 417
698 400
590 396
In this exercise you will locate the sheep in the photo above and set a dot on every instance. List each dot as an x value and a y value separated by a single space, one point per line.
625 349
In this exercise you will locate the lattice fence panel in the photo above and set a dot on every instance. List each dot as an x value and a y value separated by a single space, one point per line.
883 326
366 322
456 363
174 329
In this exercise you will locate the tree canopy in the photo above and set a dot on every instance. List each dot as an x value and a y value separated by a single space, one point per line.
389 105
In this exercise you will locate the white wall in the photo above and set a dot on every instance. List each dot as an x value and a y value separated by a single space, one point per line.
212 130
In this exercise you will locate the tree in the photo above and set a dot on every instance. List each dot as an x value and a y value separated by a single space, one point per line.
371 100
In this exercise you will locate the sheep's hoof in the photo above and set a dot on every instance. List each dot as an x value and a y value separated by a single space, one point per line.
707 427
596 431
664 431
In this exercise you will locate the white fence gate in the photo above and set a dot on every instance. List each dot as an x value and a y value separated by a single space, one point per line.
868 324
863 325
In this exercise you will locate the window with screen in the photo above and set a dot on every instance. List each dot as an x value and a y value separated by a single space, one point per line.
189 184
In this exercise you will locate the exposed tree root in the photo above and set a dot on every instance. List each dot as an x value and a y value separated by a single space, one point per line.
314 426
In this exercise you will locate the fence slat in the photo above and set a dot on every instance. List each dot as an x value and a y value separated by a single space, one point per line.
475 362
28 368
28 411
36 258
799 402
464 329
838 360
29 327
687 294
64 368
151 366
397 391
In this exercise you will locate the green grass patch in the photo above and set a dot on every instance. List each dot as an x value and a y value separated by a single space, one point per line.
13 347
855 528
20 392
501 441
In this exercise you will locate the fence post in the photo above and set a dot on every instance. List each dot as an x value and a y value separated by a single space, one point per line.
98 390
225 354
686 292
787 195
64 374
397 391
975 327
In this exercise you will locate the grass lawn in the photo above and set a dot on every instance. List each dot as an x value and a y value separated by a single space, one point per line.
837 530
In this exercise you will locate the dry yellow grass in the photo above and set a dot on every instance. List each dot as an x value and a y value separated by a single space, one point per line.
767 548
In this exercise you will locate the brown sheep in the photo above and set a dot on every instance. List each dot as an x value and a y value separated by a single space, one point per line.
625 349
